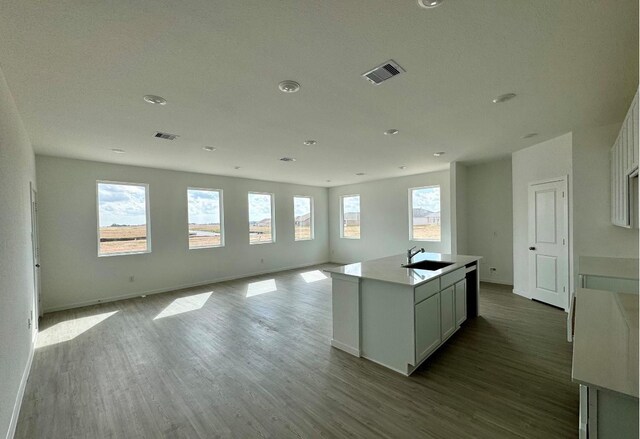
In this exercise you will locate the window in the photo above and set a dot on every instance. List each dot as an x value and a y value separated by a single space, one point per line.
350 216
123 218
205 218
424 213
303 218
261 218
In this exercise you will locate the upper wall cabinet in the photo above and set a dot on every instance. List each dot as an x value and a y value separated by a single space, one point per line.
624 169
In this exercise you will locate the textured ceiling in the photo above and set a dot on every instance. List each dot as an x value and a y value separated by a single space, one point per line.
78 71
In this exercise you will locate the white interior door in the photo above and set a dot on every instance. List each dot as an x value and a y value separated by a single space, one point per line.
36 260
548 242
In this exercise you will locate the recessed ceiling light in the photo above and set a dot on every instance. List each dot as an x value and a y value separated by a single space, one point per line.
391 132
504 98
236 167
360 173
428 4
403 167
118 150
209 148
438 154
156 100
310 142
530 135
287 159
289 86
328 181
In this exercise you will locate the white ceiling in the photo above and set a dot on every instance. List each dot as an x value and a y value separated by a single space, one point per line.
78 71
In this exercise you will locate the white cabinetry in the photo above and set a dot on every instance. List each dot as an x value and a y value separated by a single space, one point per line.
447 312
624 166
427 317
461 302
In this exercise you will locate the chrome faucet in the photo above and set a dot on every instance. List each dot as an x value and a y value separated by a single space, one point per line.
411 253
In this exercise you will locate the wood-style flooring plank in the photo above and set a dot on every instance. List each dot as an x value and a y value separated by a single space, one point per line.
245 366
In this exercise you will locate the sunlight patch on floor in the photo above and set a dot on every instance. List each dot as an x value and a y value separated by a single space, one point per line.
261 287
184 304
65 331
313 276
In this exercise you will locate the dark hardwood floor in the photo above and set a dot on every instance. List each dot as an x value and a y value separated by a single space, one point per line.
261 366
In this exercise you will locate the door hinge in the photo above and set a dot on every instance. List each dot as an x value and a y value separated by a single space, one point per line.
562 194
564 289
563 243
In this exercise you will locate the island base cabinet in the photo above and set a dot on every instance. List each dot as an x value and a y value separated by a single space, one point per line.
461 302
427 318
447 312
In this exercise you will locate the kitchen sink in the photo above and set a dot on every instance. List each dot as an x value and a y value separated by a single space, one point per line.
428 265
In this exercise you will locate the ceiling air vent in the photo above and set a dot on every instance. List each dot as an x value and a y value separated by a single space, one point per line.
165 136
383 72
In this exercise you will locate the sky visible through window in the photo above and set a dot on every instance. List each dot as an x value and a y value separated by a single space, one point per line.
205 229
122 218
260 218
259 207
425 221
302 218
122 204
351 217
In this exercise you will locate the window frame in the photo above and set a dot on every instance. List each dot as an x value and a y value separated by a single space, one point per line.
273 217
147 217
220 208
411 189
311 219
342 235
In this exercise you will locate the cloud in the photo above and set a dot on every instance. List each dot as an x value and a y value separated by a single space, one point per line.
121 204
301 206
427 198
259 207
204 206
351 204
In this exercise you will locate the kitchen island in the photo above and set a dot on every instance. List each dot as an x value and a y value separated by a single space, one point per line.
398 316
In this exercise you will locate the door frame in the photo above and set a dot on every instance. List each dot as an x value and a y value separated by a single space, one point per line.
567 225
35 254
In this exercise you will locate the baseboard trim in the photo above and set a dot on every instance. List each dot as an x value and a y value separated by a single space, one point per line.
496 281
175 288
345 347
521 293
13 424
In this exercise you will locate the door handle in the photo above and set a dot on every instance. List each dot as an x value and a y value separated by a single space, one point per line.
37 265
532 248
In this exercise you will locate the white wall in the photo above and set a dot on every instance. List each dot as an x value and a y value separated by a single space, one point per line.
384 206
594 235
489 210
73 275
545 160
459 215
17 171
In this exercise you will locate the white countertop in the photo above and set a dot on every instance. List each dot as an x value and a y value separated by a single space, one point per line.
624 268
390 269
605 347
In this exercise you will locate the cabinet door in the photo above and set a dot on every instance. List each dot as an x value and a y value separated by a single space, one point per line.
447 312
427 326
461 302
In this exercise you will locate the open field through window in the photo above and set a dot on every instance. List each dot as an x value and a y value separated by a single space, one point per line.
350 216
123 218
261 218
205 218
303 218
424 213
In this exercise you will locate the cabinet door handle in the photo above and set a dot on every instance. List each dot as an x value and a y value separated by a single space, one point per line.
532 248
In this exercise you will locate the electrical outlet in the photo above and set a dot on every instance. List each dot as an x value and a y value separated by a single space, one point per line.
132 278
